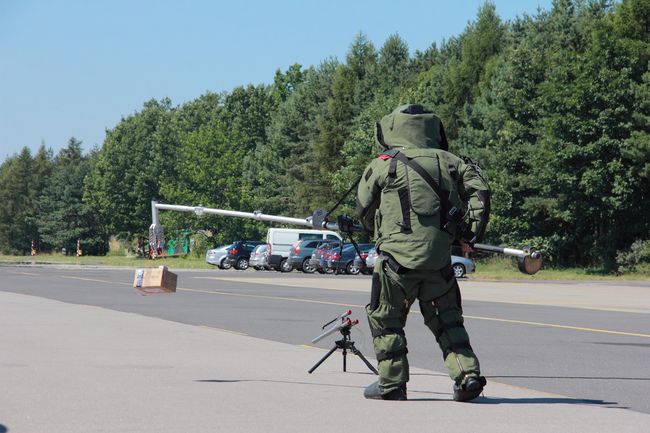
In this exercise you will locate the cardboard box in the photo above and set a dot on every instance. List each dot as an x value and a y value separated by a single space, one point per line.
155 280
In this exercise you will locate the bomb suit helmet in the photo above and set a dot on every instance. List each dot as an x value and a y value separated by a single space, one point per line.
411 126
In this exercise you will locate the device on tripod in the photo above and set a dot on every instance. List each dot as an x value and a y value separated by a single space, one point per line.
344 325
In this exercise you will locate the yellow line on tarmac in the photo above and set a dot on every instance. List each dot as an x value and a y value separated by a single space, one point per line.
279 298
493 319
294 283
223 330
313 347
578 305
312 301
94 280
552 325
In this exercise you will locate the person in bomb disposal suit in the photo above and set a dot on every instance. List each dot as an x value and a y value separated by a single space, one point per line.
418 199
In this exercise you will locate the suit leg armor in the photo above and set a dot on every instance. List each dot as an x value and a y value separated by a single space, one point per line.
387 313
444 317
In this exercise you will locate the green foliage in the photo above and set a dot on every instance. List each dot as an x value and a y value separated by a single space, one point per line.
136 155
285 83
478 44
630 259
283 171
22 178
555 107
61 216
554 126
392 66
211 163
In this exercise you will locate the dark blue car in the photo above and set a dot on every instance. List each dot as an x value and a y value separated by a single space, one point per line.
301 252
343 261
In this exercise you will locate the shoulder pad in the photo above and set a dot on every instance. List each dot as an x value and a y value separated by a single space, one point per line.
473 163
466 159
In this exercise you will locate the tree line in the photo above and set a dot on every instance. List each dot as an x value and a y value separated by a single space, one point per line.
554 107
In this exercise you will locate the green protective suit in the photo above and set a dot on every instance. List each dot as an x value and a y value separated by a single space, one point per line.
412 231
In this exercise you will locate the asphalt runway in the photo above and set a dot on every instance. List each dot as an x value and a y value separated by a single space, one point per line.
596 354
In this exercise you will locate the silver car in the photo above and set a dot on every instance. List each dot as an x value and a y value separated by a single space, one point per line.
367 265
462 266
260 257
216 256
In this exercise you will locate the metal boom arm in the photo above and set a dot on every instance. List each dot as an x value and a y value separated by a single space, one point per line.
529 260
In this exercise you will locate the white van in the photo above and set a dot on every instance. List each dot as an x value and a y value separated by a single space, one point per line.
281 241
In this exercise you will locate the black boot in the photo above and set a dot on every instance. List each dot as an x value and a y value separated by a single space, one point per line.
469 389
373 391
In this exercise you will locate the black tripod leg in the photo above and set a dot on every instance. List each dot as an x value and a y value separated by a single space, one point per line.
363 358
323 359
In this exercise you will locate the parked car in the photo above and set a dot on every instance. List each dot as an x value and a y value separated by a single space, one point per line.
259 257
344 261
300 254
325 262
462 266
239 253
217 257
281 242
316 259
366 263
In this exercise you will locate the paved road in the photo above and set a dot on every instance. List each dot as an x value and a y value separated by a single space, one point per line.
589 341
82 369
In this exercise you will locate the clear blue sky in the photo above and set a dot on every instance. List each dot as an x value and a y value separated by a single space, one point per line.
74 68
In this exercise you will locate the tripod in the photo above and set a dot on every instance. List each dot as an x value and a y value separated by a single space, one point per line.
344 344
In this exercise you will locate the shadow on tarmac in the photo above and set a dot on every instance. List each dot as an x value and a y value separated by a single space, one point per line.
324 384
624 344
446 395
360 388
544 400
570 377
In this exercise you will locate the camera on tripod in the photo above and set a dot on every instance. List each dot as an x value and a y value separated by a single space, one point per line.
343 324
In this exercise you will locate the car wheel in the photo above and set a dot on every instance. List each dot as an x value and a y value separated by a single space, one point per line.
285 266
307 268
351 269
242 264
459 270
224 264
